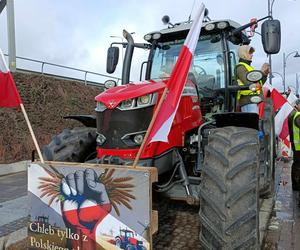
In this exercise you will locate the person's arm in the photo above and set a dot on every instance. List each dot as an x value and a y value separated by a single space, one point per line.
265 69
241 73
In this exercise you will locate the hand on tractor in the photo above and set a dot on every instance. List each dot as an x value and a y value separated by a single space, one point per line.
265 68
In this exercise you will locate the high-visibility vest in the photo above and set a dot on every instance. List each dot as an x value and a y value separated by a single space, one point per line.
246 92
296 133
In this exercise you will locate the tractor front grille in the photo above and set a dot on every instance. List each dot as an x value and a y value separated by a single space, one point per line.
114 124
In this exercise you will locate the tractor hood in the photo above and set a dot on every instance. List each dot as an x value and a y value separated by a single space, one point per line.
111 98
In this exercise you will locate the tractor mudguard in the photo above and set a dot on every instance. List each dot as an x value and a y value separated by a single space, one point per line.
86 120
239 119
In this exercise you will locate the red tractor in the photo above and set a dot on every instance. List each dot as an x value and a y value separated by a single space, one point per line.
214 156
127 241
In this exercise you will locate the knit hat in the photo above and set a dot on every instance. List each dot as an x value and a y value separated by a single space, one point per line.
244 50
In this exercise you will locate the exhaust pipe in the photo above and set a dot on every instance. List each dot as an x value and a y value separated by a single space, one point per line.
127 58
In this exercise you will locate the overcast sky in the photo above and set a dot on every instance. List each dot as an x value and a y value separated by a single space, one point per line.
77 33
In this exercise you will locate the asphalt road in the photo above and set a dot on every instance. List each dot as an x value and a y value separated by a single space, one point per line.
178 222
13 186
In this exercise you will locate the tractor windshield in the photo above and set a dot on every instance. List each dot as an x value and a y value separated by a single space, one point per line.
126 233
130 234
207 68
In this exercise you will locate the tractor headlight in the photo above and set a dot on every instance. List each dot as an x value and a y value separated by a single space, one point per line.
210 26
100 139
110 84
222 25
134 139
148 37
144 100
156 36
127 104
153 36
139 102
138 139
100 107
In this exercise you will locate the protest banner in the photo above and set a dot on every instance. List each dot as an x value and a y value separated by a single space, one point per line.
76 206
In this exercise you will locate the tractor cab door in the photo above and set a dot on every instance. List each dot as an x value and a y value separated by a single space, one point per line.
232 62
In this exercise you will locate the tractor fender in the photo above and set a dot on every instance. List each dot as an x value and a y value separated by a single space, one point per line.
86 120
237 119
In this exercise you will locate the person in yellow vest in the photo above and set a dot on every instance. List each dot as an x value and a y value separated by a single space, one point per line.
245 54
294 130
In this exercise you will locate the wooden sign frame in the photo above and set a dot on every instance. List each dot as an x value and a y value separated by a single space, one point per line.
77 206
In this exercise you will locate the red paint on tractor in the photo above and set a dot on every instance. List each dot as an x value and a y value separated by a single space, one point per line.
188 117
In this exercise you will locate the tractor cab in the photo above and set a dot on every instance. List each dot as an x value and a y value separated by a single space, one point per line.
214 60
212 67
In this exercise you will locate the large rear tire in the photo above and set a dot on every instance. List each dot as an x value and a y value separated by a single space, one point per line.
229 190
76 145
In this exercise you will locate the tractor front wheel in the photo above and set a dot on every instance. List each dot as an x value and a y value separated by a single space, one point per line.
76 145
229 190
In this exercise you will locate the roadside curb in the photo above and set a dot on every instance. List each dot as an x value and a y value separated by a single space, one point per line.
266 208
6 169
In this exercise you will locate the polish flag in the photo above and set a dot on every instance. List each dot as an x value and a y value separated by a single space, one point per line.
285 108
162 125
283 114
9 95
285 146
277 98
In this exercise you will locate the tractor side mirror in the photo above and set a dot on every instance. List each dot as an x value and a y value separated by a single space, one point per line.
112 59
271 36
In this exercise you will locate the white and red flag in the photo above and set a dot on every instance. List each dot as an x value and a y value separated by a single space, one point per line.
281 118
163 122
285 108
9 95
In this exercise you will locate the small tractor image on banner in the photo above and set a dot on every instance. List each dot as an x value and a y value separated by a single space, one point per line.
216 156
126 240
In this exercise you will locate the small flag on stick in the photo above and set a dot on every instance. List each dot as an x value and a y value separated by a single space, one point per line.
10 97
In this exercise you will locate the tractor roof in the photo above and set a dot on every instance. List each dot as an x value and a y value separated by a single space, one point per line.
182 28
126 230
187 25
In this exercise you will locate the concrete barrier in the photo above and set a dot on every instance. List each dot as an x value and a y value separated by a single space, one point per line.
11 168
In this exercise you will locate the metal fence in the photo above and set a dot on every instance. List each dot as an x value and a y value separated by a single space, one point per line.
85 72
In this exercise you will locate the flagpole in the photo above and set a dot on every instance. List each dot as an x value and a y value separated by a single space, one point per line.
179 71
141 149
32 133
